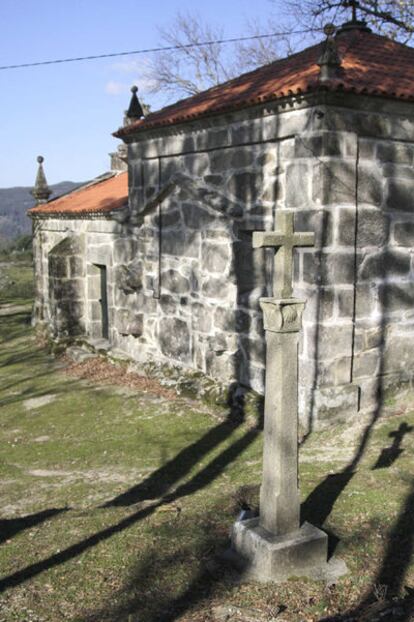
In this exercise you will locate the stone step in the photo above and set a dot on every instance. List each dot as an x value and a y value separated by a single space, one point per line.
100 345
119 355
78 354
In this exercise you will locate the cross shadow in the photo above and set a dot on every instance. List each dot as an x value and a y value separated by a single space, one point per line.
320 502
390 454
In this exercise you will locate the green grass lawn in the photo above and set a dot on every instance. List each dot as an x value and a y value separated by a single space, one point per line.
16 279
115 504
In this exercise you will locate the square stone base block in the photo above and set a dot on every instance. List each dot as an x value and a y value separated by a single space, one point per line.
261 556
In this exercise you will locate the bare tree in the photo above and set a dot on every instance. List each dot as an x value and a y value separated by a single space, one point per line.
191 68
260 50
393 18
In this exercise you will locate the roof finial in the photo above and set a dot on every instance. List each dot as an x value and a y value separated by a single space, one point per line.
353 4
41 190
354 23
329 61
135 110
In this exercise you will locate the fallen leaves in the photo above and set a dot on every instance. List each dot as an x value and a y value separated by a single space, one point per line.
102 371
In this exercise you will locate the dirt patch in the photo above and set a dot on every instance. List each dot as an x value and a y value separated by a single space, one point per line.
99 370
93 475
38 402
49 473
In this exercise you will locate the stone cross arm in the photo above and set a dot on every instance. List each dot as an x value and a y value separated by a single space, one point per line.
275 239
284 239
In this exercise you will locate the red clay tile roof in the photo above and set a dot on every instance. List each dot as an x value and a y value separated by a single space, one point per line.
371 65
100 197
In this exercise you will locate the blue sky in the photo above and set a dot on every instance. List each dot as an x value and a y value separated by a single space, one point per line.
67 112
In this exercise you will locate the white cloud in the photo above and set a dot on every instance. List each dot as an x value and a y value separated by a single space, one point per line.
127 66
125 73
115 88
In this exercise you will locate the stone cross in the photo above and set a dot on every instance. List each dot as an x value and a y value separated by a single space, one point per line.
282 315
284 240
275 546
354 5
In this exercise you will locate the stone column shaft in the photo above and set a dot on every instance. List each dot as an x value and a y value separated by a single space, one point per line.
279 495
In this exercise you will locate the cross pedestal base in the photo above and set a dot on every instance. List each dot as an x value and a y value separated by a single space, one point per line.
262 556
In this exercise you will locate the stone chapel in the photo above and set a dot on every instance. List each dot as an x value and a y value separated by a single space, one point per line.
156 259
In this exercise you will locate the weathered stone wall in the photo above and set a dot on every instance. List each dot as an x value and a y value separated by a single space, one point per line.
325 274
73 273
201 278
184 281
66 287
341 170
384 335
358 328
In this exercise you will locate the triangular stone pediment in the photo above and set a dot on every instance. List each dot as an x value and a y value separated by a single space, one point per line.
200 191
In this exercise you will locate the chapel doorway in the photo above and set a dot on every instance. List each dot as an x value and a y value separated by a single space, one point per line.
98 323
103 301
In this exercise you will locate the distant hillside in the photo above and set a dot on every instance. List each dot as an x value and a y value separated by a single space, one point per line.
14 203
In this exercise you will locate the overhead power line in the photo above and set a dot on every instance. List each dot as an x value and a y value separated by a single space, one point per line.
150 50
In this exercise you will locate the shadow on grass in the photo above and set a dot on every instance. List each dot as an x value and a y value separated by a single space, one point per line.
14 327
196 483
158 486
383 600
10 527
159 587
33 391
31 359
400 548
35 358
168 580
159 482
390 454
321 501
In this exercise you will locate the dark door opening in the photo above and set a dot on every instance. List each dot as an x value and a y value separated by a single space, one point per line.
104 301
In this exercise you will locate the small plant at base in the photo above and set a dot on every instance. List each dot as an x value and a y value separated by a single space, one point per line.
380 591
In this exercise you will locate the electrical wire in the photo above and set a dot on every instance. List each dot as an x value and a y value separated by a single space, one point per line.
151 50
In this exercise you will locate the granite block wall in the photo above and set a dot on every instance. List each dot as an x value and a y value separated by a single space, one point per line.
201 279
384 329
184 281
66 272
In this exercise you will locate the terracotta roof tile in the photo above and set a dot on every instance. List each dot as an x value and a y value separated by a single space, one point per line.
100 197
371 64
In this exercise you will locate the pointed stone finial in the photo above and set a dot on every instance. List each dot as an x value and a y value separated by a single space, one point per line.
41 191
329 61
135 110
353 4
354 23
